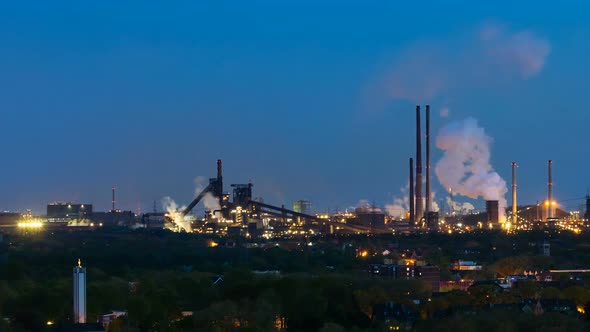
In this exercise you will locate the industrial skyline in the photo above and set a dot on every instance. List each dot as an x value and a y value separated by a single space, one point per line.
313 116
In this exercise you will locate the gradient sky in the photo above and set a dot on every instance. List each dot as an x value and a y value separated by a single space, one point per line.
146 95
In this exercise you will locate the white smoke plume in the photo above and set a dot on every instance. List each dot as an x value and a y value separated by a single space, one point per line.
460 207
465 165
491 54
210 202
401 206
175 213
521 51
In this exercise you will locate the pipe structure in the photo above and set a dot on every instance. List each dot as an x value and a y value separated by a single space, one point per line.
419 204
113 201
411 199
428 195
219 188
550 202
514 209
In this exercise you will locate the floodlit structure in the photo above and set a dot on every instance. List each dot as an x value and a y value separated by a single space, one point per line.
79 293
419 204
514 205
550 203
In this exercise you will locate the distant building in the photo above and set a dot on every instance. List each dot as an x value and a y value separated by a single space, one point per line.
65 212
465 266
492 212
429 274
154 220
9 218
79 293
113 218
302 207
383 270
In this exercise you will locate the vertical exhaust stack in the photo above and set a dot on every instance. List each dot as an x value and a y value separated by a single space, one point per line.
419 207
514 206
411 200
428 194
550 203
219 189
113 200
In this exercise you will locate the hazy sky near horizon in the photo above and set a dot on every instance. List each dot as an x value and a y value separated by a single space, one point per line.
309 100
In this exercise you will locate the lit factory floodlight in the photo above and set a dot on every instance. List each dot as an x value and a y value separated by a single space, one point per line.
31 224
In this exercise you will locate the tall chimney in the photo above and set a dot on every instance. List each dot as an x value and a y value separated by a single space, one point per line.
113 201
428 195
411 200
419 206
549 190
219 189
514 209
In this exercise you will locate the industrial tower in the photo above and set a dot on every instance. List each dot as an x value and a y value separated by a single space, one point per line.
79 293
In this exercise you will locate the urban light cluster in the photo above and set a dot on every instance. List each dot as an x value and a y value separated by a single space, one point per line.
30 224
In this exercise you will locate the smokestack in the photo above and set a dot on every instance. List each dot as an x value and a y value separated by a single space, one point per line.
411 200
514 210
549 190
219 189
419 207
113 201
428 195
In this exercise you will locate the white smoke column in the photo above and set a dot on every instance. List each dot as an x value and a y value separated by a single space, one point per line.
488 55
401 206
460 207
175 213
209 201
465 165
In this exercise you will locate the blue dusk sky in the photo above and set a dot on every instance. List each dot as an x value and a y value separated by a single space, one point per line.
308 99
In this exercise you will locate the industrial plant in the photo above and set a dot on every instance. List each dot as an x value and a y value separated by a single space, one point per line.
236 213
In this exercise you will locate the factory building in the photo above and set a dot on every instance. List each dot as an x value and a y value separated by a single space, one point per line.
492 212
113 218
65 212
302 206
370 217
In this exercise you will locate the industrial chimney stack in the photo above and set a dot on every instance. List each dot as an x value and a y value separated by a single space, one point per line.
113 201
419 202
550 203
428 195
411 200
514 205
219 189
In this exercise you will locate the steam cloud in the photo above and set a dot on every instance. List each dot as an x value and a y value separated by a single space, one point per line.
401 206
460 207
209 201
175 211
493 53
465 166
